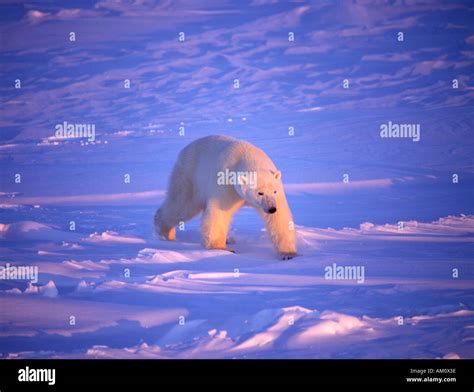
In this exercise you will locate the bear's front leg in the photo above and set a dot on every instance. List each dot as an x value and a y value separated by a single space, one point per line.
287 255
280 229
215 226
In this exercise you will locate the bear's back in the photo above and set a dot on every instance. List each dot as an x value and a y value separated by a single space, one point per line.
218 152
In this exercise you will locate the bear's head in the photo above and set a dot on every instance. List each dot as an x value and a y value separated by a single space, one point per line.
261 189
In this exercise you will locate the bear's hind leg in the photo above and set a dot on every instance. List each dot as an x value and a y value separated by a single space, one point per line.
171 214
180 204
171 234
163 226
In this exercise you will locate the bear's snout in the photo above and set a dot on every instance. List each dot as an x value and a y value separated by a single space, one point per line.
272 210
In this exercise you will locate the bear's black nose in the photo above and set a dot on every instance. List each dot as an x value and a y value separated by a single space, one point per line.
272 210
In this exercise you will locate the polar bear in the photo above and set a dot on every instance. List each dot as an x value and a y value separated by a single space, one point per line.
217 175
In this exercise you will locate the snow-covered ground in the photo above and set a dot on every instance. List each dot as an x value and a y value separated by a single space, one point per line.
132 295
398 212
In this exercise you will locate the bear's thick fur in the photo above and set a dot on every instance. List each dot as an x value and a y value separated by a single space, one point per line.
217 175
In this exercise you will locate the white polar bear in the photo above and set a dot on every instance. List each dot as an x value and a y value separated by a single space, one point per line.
218 175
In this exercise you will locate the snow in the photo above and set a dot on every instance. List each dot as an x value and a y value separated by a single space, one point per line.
111 289
243 305
113 238
48 290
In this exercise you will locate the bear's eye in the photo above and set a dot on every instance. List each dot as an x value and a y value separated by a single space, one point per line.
275 192
260 193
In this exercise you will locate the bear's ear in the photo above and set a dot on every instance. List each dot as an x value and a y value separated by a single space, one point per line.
277 175
242 179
